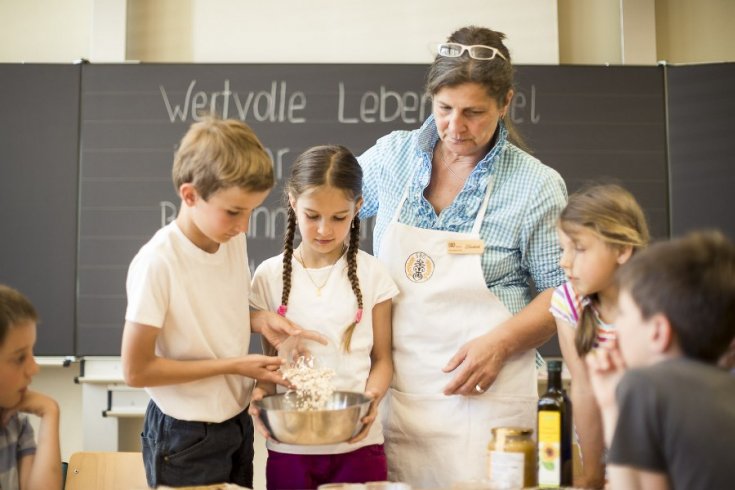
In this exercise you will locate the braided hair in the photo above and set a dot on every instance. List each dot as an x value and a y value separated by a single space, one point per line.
333 166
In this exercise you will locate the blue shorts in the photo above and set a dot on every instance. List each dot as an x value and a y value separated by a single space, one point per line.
182 453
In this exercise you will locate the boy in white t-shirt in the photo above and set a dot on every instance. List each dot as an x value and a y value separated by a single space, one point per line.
187 324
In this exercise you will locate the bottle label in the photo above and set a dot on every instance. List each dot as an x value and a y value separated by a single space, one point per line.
506 470
549 448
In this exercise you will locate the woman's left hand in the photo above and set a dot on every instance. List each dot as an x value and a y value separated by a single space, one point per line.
480 361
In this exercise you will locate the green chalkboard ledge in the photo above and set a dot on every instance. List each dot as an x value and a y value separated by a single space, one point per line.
55 361
100 370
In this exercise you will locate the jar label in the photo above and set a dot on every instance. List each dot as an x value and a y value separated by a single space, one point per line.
549 448
506 469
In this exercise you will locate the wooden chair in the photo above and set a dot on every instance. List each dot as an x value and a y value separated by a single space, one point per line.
106 471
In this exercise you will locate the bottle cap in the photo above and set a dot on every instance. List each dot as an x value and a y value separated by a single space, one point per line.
553 365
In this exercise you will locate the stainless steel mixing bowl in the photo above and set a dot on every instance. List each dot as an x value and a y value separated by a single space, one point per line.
337 422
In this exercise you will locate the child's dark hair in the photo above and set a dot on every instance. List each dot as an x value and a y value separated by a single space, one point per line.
325 166
15 310
614 216
691 281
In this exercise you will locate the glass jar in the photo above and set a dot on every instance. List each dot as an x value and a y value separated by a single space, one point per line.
511 461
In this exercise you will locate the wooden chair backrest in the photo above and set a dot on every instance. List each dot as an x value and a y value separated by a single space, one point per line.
106 471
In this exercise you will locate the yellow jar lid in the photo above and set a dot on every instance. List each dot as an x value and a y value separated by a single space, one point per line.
512 431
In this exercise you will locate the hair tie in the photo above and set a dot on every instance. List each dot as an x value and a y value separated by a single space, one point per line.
358 316
282 310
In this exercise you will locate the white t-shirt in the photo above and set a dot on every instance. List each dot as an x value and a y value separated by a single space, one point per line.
199 301
330 313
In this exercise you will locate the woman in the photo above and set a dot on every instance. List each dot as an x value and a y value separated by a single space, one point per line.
464 220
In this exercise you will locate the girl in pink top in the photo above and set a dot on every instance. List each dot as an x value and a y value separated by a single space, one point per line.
599 230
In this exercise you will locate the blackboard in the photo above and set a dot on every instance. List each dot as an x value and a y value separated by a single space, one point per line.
87 151
701 107
39 138
590 123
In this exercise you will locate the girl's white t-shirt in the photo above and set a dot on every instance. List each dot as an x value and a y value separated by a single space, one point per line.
330 313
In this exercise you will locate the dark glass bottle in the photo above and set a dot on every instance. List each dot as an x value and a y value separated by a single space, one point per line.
554 432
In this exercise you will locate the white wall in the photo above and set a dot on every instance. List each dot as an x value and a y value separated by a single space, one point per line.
285 31
44 30
578 31
379 31
695 31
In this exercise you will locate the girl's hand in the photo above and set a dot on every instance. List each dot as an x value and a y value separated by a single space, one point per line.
276 328
262 368
605 366
258 394
594 482
368 419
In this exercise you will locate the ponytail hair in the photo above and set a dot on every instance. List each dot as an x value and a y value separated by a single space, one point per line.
614 216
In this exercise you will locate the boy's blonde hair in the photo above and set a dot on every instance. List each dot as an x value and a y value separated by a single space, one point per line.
615 217
15 309
219 153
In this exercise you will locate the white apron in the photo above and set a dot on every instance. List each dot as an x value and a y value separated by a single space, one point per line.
432 440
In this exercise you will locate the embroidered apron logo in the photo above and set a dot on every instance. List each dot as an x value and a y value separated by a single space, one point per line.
419 267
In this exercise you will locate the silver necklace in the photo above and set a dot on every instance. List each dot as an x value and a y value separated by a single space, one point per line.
317 286
444 162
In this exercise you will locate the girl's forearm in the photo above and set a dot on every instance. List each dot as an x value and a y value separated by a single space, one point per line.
588 424
380 377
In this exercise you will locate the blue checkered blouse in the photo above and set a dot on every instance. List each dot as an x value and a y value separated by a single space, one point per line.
519 226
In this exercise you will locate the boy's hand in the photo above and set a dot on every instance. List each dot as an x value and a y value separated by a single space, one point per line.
368 419
258 394
605 366
34 403
262 368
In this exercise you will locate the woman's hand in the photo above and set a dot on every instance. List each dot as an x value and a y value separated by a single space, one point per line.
368 419
480 361
258 394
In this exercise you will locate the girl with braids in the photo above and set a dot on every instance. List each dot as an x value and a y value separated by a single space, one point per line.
600 229
328 285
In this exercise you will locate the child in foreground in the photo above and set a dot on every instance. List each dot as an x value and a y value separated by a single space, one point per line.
600 229
24 464
669 420
188 323
327 284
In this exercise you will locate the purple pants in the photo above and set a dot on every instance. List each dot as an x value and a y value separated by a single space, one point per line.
285 471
